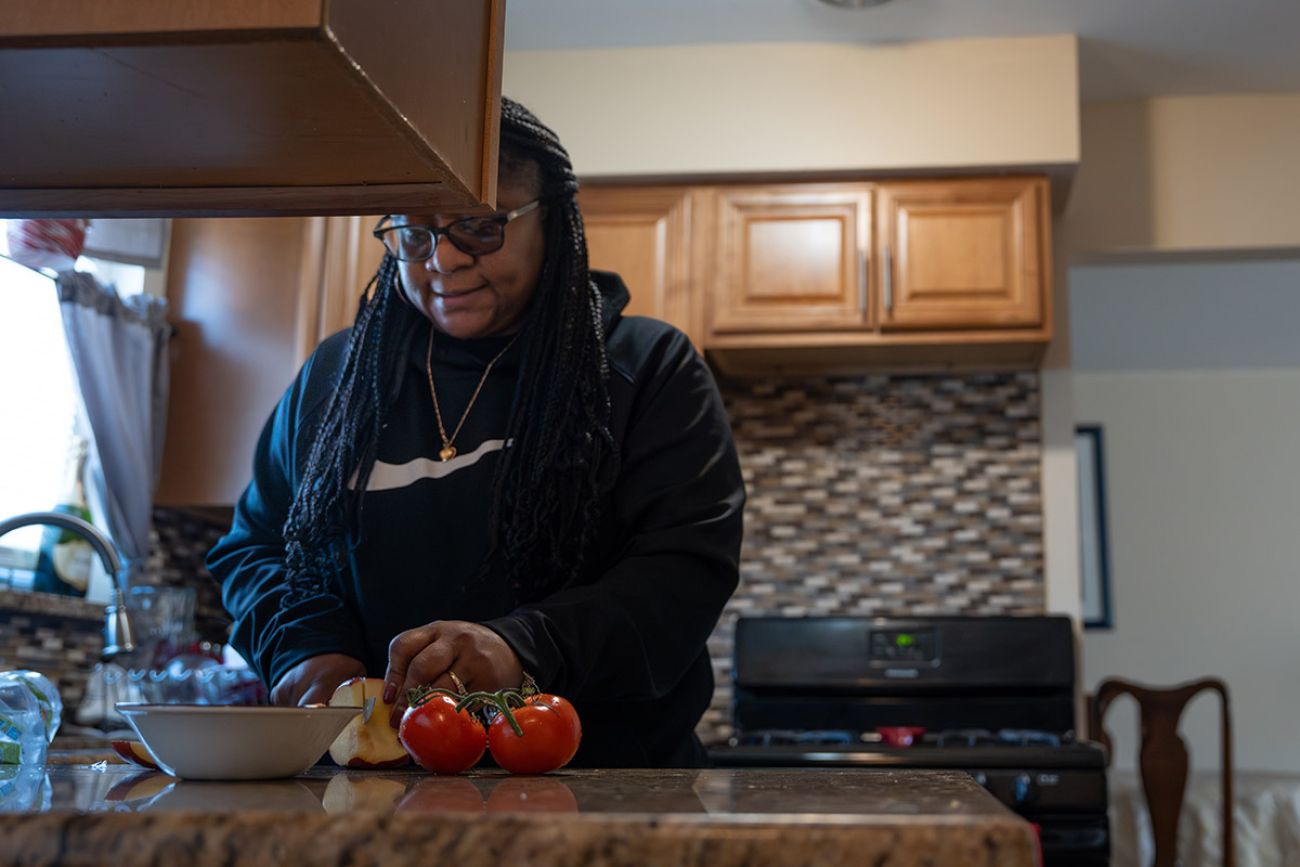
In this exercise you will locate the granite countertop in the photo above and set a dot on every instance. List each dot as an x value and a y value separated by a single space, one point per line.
118 814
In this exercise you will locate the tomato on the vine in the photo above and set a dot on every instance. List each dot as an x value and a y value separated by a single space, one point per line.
547 738
566 709
439 737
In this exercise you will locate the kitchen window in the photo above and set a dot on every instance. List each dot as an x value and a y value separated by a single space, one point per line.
40 408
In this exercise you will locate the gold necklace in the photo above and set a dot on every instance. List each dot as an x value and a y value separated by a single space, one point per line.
448 450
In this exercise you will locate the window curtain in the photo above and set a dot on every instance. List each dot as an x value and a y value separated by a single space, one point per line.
119 353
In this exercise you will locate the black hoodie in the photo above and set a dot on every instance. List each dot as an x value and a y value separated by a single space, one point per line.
625 642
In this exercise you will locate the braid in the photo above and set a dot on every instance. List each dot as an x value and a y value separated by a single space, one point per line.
345 442
547 492
548 486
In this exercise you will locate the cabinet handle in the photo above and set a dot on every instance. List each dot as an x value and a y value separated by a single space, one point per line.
864 280
889 280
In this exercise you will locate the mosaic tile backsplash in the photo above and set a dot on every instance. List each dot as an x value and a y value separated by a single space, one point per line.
884 496
872 495
58 636
181 540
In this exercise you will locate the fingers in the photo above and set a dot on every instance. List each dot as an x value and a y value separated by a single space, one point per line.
445 680
427 668
417 657
284 694
428 655
289 688
318 692
401 650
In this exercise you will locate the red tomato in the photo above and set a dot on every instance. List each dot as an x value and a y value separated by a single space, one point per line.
566 709
439 738
547 743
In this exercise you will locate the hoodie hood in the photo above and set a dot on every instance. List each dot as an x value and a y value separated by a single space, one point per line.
614 292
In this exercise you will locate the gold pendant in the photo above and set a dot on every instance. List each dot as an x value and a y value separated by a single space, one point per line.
447 453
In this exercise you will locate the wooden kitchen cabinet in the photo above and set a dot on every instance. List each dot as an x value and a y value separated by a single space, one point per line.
891 275
789 258
339 257
296 107
962 254
250 299
645 235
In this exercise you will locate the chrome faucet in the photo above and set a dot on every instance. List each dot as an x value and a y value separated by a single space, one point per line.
118 635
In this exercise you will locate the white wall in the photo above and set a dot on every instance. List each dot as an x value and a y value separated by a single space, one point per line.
1188 173
792 107
1168 175
1201 414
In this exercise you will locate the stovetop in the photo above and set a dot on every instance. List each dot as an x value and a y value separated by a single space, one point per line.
971 738
954 748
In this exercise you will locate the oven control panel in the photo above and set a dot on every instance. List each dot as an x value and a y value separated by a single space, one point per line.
897 646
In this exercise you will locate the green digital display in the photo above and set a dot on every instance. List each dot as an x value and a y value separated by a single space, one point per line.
904 640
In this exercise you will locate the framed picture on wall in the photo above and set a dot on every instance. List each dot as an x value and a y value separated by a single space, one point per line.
1094 540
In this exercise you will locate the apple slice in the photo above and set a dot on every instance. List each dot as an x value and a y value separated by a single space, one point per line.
366 743
135 753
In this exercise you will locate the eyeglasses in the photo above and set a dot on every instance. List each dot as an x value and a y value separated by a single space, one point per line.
475 236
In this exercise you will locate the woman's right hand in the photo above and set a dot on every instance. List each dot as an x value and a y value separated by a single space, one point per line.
314 680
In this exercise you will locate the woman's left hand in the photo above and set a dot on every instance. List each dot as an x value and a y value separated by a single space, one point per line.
429 655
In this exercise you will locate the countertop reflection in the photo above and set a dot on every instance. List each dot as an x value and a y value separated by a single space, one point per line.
797 792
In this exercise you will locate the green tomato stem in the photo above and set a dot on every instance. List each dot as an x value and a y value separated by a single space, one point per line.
473 698
503 702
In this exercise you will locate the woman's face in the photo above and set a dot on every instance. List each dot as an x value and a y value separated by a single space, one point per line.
469 296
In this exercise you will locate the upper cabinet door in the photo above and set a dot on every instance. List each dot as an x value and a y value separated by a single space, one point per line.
963 253
234 289
340 257
644 234
790 258
294 107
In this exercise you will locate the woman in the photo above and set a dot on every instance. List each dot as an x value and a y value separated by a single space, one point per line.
492 475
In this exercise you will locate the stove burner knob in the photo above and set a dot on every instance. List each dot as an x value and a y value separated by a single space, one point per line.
1022 789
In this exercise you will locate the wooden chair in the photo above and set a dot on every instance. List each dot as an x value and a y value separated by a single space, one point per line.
1162 755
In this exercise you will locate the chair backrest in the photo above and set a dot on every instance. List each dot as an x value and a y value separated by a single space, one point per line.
1162 755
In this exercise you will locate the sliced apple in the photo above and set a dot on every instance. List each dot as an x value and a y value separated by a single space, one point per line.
135 753
366 743
346 794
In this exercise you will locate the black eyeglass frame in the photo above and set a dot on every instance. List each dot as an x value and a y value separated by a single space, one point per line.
434 231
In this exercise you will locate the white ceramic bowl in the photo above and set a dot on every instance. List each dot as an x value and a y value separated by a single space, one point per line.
213 742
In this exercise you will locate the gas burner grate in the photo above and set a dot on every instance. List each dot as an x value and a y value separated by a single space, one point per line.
1000 738
796 737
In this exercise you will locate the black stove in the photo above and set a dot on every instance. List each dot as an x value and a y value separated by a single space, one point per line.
993 696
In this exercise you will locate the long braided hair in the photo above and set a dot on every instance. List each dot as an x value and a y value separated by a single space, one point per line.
547 490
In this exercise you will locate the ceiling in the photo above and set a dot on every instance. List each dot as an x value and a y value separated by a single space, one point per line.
1128 49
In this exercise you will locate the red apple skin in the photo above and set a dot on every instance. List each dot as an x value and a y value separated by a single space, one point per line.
135 753
365 765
